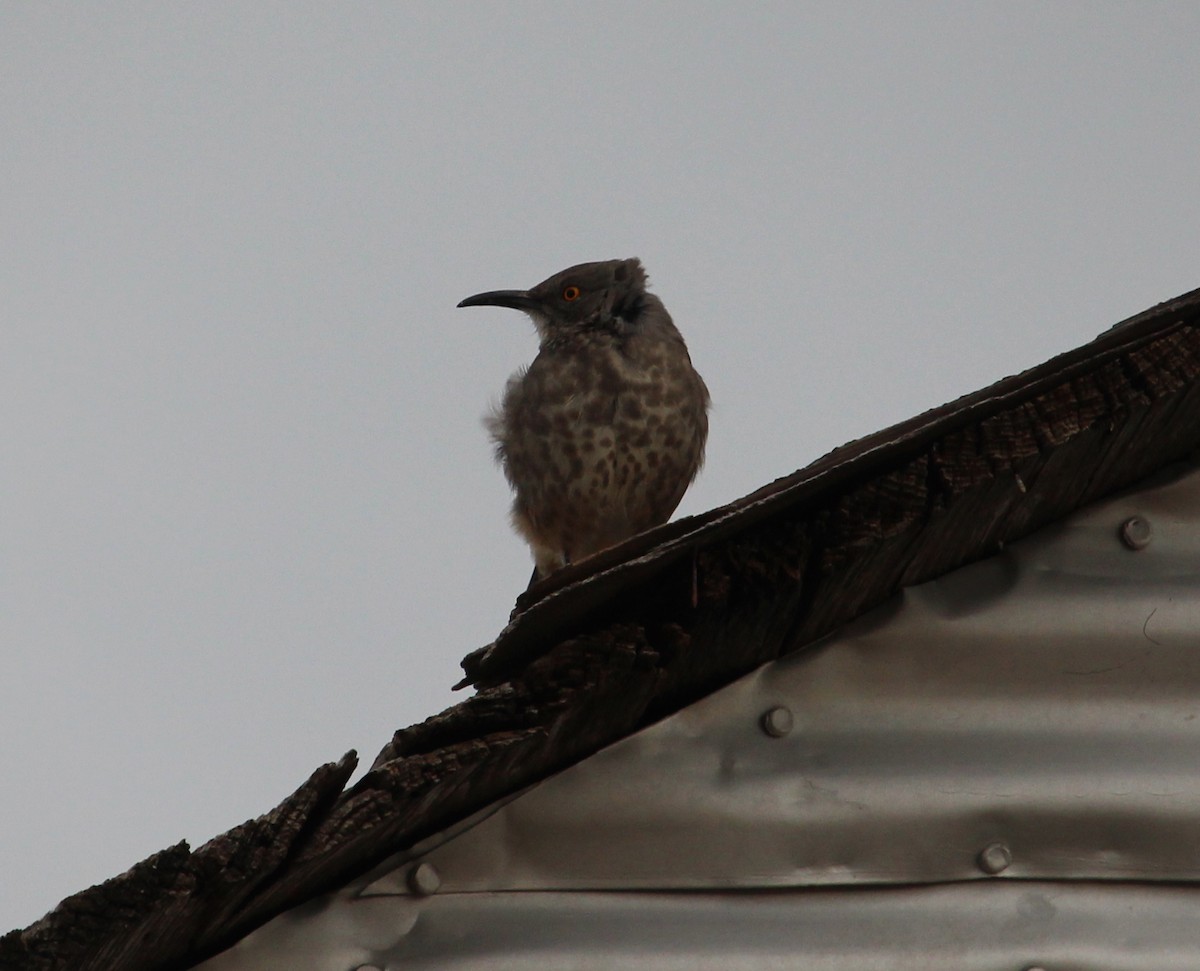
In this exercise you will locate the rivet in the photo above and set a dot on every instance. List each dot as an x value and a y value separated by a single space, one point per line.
423 879
777 721
994 858
1136 532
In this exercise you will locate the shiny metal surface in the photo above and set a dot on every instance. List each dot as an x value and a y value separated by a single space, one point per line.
1046 698
1001 926
998 769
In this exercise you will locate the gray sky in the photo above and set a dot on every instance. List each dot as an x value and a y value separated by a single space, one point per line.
249 514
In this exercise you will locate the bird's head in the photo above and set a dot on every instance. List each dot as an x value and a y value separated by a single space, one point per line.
609 293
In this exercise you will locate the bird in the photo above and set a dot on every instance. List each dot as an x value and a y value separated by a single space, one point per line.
601 435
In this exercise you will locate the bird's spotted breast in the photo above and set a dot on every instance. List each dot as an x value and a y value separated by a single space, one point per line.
604 432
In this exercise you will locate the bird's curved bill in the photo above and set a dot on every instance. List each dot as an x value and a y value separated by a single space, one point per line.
516 299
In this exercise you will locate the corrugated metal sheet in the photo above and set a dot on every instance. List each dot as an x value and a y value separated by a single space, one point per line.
987 927
997 769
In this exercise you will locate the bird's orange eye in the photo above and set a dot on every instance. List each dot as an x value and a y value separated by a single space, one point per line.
571 293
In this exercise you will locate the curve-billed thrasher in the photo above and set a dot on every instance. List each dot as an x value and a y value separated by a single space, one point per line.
602 434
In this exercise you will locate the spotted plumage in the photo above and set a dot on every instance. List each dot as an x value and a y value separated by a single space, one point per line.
601 435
